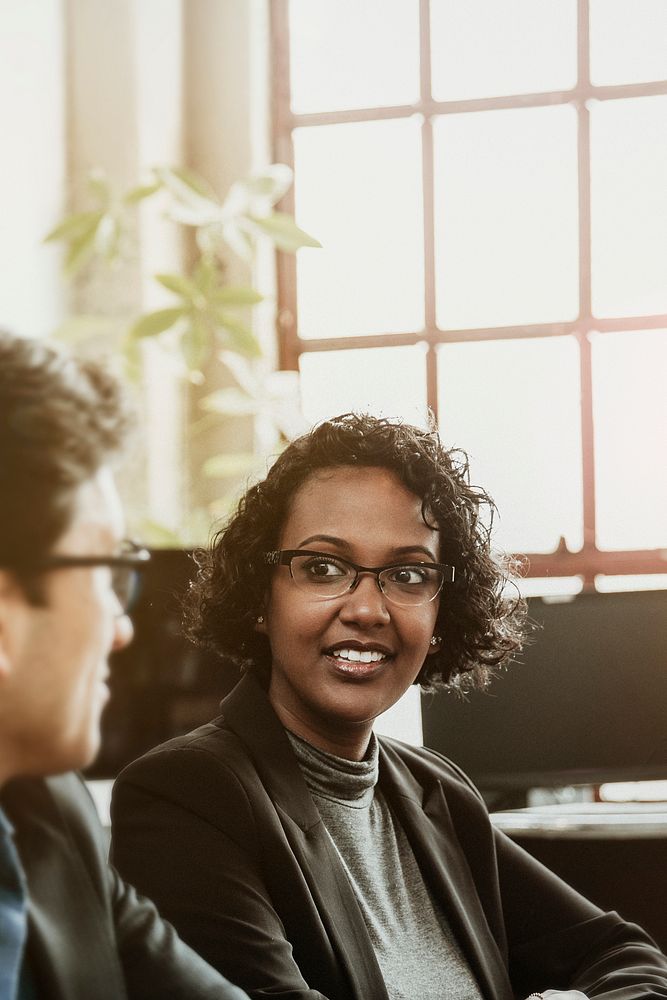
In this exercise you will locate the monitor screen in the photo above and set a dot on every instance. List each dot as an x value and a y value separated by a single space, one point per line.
585 703
161 685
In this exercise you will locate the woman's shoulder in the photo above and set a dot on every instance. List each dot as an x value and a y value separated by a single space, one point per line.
210 756
428 767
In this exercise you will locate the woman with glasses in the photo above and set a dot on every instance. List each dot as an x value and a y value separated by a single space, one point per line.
299 853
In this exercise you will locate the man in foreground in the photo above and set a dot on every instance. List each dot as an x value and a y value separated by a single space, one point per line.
69 926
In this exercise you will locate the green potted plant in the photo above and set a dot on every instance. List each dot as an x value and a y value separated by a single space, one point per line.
204 327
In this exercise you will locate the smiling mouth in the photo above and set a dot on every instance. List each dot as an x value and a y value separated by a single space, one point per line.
358 655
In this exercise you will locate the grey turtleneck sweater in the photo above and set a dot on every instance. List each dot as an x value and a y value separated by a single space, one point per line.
414 946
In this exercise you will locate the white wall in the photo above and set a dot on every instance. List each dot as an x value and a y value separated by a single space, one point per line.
32 162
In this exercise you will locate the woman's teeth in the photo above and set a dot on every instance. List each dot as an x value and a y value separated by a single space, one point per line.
359 655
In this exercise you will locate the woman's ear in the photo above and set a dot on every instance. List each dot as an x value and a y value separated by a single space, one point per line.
434 645
260 624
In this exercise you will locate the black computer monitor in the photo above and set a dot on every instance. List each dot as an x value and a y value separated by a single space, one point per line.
586 702
161 685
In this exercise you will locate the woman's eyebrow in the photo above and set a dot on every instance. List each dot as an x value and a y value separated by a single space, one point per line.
409 549
341 543
331 539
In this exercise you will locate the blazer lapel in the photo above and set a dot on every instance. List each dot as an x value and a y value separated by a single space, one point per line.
425 817
70 945
248 712
338 908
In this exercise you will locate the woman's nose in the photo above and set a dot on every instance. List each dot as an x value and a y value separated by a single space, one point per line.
123 632
365 603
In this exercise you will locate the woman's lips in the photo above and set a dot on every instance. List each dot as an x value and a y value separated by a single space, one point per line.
355 662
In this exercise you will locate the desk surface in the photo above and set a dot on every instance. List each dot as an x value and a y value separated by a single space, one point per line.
594 820
575 821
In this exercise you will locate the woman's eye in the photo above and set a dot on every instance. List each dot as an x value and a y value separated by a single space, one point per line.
324 568
408 575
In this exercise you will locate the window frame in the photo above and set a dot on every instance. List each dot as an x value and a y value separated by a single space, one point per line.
589 561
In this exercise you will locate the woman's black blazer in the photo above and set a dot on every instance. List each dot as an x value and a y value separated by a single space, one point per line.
218 827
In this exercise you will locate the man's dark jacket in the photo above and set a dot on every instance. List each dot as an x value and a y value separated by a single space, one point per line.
219 828
91 937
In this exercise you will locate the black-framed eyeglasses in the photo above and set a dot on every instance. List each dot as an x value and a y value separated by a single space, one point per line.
126 569
324 576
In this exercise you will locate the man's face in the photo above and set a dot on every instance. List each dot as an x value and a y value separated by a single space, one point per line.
55 656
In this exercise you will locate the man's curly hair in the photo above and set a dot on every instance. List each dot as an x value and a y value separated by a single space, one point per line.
61 419
481 627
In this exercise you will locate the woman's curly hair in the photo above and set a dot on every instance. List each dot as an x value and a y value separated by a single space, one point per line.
480 625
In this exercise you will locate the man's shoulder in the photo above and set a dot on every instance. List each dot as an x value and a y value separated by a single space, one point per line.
57 806
47 796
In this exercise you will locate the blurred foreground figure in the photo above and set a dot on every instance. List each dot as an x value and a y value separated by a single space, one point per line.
69 926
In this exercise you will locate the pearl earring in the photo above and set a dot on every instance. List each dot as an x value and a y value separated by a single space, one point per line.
436 640
260 619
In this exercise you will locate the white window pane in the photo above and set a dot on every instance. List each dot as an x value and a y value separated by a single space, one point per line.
359 191
506 217
551 587
614 584
353 53
482 48
628 41
630 411
384 381
513 405
629 206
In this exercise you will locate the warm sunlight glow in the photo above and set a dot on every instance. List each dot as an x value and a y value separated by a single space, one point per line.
506 217
513 47
359 189
513 405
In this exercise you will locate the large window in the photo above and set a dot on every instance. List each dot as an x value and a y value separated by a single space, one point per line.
488 183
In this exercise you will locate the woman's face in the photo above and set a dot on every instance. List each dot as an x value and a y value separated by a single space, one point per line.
367 516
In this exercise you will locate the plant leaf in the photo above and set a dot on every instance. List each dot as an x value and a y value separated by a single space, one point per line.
72 226
211 238
199 216
107 235
193 206
284 232
232 464
206 275
179 284
192 180
237 295
230 401
153 323
82 247
236 334
83 327
195 345
99 187
238 234
137 194
133 360
271 183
